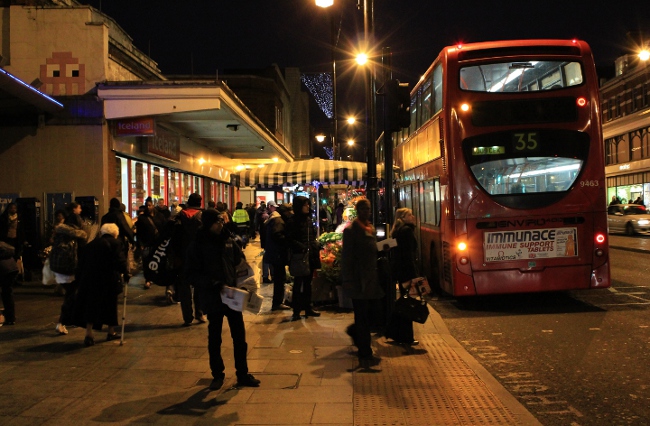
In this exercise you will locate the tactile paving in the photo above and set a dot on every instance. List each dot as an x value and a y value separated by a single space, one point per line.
426 385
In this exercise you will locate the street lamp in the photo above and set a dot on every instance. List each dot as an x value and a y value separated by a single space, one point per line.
644 55
333 43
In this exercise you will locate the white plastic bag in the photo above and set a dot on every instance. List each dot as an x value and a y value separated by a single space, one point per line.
48 275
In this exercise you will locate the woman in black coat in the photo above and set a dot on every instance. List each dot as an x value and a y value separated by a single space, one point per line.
404 268
301 237
101 264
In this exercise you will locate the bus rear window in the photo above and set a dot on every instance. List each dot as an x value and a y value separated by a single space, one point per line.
527 162
521 76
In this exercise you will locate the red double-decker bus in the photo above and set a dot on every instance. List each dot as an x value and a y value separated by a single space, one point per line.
503 166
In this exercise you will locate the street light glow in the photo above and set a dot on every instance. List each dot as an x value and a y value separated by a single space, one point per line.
350 142
644 55
351 120
324 3
320 138
362 59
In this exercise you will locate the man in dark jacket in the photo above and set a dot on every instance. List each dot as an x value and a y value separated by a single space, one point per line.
277 253
211 263
359 278
189 221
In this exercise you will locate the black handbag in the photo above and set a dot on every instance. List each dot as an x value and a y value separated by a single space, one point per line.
299 264
412 309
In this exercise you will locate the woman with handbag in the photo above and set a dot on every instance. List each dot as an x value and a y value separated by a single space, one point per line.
304 257
403 268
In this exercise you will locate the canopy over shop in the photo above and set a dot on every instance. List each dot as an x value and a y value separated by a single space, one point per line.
306 172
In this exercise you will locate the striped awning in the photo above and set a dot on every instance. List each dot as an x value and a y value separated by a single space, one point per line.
306 171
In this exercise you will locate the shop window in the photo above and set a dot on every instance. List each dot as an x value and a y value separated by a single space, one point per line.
158 183
139 185
645 142
636 99
122 180
622 149
635 145
610 151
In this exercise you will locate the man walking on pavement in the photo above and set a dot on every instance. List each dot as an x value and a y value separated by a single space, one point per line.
211 263
360 280
277 251
189 221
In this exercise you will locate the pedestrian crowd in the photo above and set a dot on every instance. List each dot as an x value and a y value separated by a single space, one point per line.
194 253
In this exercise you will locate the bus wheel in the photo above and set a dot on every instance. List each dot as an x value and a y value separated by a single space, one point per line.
629 229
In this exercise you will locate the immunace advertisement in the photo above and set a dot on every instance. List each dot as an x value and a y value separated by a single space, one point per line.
504 246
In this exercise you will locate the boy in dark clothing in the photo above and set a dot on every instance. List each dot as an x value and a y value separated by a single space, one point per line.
211 263
277 253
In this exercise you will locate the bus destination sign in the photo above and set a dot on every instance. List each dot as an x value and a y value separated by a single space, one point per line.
525 244
488 150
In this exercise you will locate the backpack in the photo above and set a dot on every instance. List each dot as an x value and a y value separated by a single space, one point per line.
63 257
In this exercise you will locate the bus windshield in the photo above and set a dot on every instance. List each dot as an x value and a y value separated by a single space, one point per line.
520 76
524 162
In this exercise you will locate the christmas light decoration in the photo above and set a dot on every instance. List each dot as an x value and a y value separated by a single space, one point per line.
320 86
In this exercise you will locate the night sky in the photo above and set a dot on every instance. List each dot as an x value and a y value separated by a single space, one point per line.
205 35
212 36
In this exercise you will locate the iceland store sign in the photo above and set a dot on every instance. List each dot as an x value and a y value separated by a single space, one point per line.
164 144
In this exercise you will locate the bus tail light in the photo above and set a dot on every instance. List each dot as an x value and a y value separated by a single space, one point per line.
581 101
462 248
600 239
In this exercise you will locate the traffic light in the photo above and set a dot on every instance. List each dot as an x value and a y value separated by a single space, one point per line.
397 105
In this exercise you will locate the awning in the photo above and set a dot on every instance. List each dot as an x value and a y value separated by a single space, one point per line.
306 171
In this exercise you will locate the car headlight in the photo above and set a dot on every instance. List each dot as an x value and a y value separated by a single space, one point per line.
643 222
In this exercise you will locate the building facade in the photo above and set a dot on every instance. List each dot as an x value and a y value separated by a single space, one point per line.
121 128
625 101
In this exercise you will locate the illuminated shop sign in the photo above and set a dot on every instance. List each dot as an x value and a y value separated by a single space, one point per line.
135 127
164 144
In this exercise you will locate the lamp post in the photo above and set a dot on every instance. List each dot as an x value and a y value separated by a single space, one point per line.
333 44
372 191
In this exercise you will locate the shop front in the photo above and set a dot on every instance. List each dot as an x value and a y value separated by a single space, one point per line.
629 181
161 165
